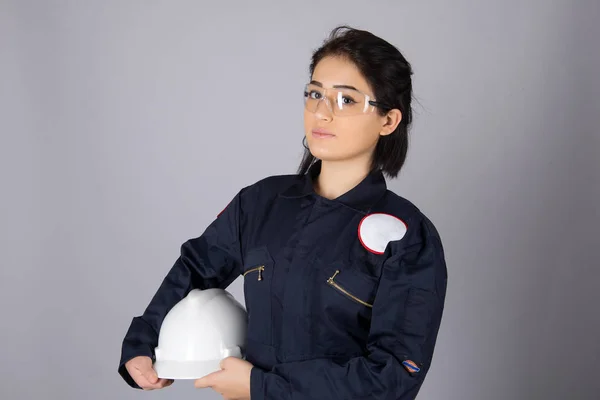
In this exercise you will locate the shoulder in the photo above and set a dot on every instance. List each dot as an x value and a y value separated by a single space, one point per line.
419 251
419 227
264 191
275 183
270 185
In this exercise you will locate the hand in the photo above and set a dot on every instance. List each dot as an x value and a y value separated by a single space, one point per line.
141 370
232 382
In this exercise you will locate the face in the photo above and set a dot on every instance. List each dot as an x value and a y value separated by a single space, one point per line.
350 136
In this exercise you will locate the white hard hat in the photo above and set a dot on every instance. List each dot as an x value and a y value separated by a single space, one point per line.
198 332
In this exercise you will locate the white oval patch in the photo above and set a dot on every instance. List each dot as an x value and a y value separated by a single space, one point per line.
375 231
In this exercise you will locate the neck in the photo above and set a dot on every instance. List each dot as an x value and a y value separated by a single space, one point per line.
339 177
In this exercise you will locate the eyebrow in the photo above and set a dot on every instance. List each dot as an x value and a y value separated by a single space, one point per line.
335 86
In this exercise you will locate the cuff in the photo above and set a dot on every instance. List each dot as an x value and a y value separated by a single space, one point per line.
257 377
129 353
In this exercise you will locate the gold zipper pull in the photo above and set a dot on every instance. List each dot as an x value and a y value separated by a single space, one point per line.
330 280
260 270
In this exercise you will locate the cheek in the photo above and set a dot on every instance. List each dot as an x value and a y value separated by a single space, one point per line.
359 133
308 120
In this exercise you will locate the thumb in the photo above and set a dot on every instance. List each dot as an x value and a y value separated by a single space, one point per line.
148 372
206 380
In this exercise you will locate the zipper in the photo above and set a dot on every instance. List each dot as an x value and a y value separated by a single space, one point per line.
260 269
341 289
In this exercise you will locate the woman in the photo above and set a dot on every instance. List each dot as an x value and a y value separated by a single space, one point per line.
349 295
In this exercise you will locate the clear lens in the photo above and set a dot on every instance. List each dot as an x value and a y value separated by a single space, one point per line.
341 102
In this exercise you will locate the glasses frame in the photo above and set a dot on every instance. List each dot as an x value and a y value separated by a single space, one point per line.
368 100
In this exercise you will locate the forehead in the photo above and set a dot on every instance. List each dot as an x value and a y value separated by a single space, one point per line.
332 71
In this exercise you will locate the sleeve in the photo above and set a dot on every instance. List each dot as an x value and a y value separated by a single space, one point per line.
406 316
212 260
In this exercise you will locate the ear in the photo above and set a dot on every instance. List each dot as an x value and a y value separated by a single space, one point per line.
390 122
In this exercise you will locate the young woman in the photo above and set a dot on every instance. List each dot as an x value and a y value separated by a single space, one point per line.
344 280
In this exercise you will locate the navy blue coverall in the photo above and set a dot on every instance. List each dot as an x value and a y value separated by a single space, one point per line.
369 332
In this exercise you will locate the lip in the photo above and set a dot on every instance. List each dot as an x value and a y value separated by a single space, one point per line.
322 133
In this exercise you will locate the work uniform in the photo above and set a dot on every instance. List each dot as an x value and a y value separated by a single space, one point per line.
344 297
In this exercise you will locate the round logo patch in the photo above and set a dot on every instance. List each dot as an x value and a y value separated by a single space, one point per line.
376 230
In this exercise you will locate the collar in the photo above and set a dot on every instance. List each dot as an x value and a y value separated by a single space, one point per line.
362 197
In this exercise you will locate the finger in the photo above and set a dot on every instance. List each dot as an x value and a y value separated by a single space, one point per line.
165 382
227 362
158 385
140 379
149 373
202 383
147 384
151 386
207 380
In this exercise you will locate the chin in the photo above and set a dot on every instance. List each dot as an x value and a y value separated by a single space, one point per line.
334 155
318 151
326 154
328 151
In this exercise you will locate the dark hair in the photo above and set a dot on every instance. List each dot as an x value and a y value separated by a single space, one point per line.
389 76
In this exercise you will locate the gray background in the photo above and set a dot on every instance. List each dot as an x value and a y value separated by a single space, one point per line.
128 125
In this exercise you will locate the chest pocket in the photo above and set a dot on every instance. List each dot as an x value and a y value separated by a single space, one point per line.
349 287
258 273
354 290
343 308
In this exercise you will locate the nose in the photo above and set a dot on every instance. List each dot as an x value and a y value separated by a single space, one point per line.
324 110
